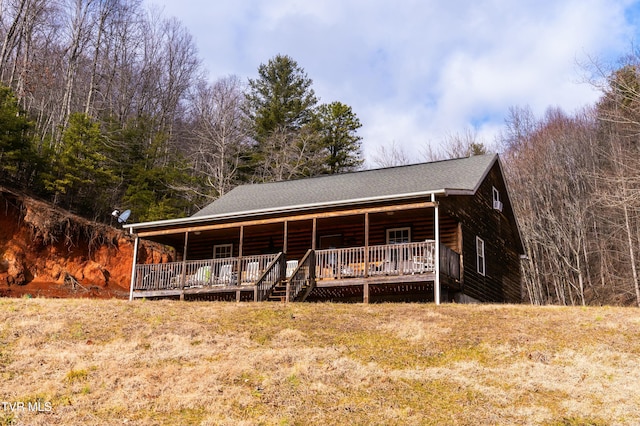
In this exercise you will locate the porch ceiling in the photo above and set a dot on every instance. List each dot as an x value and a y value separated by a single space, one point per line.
176 240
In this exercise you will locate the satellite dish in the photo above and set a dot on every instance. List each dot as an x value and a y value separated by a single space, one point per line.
124 216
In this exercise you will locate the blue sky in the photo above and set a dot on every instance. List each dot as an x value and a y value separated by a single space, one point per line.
415 71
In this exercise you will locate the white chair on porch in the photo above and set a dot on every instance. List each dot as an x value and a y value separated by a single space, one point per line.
225 276
200 278
252 273
292 265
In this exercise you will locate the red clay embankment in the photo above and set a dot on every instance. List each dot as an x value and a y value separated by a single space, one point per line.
47 251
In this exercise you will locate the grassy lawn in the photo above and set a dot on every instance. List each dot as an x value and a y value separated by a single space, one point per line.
97 362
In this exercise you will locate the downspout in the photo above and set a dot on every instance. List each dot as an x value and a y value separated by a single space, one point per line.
133 267
436 226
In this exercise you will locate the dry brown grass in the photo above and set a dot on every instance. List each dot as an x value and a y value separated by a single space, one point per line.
169 363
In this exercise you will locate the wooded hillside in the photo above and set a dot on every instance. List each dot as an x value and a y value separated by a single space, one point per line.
104 104
575 181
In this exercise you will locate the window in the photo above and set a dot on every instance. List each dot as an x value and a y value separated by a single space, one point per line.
331 241
496 195
497 204
480 255
222 250
398 235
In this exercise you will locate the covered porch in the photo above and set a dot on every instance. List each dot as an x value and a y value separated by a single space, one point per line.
291 258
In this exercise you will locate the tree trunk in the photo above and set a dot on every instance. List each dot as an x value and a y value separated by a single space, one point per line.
632 255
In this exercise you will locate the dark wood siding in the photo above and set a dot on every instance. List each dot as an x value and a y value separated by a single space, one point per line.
478 218
270 238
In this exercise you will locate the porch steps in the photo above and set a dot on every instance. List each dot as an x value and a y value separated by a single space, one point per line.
279 292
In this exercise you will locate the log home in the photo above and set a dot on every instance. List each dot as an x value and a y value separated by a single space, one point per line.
439 231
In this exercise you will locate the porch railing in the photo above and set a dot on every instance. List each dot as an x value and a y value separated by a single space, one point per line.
389 259
270 277
302 278
252 267
163 276
265 271
200 273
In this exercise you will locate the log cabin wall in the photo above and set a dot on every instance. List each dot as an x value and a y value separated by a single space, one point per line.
257 240
478 218
346 231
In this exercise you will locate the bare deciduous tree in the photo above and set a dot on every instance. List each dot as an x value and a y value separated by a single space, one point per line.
390 156
289 154
455 145
550 170
219 132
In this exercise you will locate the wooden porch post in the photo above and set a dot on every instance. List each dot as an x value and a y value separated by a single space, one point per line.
286 236
283 269
133 267
312 264
184 265
436 227
313 235
461 251
240 247
366 245
365 287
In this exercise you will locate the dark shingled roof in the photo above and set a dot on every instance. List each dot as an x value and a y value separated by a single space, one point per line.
464 174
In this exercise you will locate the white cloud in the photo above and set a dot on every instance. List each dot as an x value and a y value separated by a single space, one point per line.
414 70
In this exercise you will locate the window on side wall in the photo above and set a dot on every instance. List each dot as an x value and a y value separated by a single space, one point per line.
480 261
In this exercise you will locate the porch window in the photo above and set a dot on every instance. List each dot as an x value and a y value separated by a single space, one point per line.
398 235
480 255
330 241
222 251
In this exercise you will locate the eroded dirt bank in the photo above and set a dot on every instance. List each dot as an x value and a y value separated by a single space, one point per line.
46 251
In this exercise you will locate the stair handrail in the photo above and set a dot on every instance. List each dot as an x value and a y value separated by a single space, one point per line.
269 278
304 273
